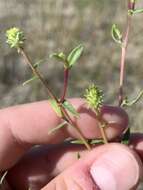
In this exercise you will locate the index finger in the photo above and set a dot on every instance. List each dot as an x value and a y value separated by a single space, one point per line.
23 126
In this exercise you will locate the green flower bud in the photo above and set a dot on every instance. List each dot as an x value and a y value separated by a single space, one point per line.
94 98
15 38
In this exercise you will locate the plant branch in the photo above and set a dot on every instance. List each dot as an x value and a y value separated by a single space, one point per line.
123 56
66 116
73 125
66 77
37 73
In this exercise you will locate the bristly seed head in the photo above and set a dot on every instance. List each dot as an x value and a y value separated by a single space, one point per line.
15 38
94 97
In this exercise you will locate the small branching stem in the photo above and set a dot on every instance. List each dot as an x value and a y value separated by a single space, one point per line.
123 56
65 86
37 73
66 116
73 125
103 133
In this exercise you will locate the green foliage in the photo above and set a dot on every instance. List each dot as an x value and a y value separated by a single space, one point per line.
71 59
74 55
69 107
127 103
56 107
30 80
15 38
61 125
59 56
116 34
94 97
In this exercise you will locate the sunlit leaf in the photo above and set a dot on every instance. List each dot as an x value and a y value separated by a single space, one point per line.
59 56
116 34
137 11
39 62
30 80
68 106
128 103
77 142
55 107
61 125
74 55
97 141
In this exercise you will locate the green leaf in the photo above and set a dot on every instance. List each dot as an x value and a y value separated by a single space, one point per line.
116 34
126 137
68 106
30 80
97 141
128 103
59 56
56 107
39 62
74 55
77 142
138 11
61 125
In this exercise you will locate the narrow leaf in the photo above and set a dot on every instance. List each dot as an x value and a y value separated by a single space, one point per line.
74 55
137 11
128 103
68 106
30 80
39 62
116 34
59 56
61 125
97 141
56 107
77 142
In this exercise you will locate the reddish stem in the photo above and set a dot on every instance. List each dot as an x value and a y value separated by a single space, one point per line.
123 56
66 77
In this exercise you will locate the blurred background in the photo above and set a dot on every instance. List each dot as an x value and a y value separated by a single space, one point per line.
59 25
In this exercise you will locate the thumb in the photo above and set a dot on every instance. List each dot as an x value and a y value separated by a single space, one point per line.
108 167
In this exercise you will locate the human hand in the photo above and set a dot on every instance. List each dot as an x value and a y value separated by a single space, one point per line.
49 167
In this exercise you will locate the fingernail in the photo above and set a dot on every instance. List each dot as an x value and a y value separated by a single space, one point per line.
115 170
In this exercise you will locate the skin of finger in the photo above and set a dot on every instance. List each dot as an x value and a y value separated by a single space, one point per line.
136 143
24 126
46 162
83 180
42 164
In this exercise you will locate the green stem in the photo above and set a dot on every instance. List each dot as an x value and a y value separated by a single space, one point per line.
38 74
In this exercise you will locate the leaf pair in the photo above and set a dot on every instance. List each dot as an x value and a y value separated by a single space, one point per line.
56 107
71 59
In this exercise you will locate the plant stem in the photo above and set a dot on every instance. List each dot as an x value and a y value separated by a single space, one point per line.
66 77
38 74
66 116
103 133
123 56
72 124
